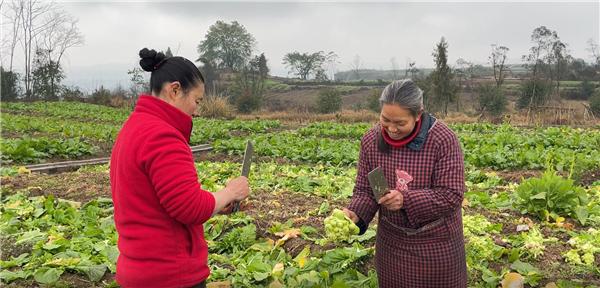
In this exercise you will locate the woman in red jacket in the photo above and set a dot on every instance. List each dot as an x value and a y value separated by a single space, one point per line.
159 206
420 232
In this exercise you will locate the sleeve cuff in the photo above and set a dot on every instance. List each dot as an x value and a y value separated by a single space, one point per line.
362 226
407 209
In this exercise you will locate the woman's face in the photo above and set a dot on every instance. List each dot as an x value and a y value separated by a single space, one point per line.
187 101
397 120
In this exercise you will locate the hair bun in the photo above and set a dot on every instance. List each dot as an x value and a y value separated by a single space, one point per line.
150 59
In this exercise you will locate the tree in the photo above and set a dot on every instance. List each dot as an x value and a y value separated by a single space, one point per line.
586 89
210 73
227 45
249 85
10 85
329 100
461 71
560 58
542 38
373 100
443 89
138 83
61 34
331 61
321 76
595 103
101 96
578 69
46 76
261 63
465 70
356 65
540 56
13 15
412 69
594 52
72 94
492 100
534 93
426 84
35 20
40 26
497 59
306 64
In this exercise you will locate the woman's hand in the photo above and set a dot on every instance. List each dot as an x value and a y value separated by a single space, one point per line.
351 215
393 201
236 190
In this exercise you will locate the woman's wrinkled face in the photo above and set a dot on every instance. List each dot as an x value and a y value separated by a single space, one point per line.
186 101
397 120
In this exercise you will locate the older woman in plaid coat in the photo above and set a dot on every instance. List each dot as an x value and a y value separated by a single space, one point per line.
420 234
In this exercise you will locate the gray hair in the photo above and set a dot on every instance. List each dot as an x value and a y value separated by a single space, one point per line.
404 93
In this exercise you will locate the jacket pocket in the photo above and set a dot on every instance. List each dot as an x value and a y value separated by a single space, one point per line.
435 231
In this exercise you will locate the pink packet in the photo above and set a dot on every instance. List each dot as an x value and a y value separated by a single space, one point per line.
402 180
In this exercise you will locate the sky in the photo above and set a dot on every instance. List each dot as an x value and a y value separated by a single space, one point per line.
114 31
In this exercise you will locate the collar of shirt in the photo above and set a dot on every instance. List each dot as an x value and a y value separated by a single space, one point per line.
167 112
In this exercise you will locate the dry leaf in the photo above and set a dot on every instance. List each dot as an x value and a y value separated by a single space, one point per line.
278 270
513 280
14 205
220 284
300 219
288 234
568 226
527 221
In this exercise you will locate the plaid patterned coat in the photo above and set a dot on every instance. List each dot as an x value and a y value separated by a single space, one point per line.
422 244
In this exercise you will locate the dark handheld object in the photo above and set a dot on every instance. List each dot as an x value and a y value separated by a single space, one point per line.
378 183
245 169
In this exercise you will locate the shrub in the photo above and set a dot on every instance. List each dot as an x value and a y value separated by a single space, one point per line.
215 107
551 195
373 100
329 101
535 92
595 103
492 99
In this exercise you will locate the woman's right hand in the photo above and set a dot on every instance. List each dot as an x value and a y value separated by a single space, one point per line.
235 190
350 215
238 188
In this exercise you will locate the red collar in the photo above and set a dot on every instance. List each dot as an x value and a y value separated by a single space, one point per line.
166 112
403 141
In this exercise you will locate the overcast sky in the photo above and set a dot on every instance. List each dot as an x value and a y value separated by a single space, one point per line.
115 31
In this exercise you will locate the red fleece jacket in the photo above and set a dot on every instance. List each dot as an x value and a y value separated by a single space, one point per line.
159 204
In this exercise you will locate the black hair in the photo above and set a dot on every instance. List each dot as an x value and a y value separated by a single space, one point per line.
169 69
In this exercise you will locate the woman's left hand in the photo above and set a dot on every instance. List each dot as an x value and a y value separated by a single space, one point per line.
393 201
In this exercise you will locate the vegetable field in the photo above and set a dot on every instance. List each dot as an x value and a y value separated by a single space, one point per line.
532 205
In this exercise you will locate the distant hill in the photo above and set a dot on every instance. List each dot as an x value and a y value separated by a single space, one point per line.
388 75
373 74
